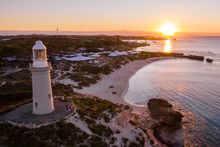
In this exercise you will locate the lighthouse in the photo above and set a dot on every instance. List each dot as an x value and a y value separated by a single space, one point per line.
41 80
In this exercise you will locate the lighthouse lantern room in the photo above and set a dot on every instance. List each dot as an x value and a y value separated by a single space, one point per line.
39 55
41 80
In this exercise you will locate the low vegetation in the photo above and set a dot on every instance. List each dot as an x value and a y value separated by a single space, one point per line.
95 112
88 108
20 46
101 130
59 134
15 90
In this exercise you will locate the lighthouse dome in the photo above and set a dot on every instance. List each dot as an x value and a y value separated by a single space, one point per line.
39 45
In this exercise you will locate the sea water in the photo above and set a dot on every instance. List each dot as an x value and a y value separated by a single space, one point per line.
208 46
192 86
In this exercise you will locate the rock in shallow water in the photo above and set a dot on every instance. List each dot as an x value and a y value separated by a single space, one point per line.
168 122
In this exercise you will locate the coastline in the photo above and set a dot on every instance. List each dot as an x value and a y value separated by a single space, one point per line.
118 81
114 86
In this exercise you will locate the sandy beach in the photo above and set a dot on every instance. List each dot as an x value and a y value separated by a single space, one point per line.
113 87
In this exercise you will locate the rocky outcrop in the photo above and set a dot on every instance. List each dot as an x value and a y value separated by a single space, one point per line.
209 60
167 128
195 57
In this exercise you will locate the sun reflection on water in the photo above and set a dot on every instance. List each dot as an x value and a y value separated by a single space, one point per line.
168 46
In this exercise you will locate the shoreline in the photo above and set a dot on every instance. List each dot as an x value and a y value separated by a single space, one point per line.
120 80
114 86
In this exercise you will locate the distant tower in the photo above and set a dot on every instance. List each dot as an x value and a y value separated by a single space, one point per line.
57 31
41 80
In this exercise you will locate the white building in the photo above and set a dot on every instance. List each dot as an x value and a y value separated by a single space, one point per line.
41 80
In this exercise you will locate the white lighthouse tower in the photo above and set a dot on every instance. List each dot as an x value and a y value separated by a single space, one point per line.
41 80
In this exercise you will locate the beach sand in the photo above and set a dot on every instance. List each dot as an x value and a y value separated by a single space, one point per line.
114 86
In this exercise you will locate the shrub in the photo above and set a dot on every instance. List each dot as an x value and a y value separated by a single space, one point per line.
59 134
95 108
96 141
125 140
101 130
133 123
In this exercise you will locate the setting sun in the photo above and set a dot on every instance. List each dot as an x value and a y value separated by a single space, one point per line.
168 29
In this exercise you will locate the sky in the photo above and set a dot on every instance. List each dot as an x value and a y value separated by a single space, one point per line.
109 15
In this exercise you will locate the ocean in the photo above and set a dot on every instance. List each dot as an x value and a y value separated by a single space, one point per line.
200 45
193 87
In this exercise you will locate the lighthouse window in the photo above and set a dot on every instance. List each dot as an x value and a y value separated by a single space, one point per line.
49 96
40 54
36 104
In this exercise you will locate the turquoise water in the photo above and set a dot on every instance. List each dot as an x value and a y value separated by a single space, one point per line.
192 86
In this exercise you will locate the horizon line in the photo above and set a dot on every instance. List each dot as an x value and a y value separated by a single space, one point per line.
131 32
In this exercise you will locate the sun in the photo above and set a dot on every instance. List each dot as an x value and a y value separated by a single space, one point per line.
168 29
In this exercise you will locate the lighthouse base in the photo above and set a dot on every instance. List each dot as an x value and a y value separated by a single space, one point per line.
42 112
23 114
42 91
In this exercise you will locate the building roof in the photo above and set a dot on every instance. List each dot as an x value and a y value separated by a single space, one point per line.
39 45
